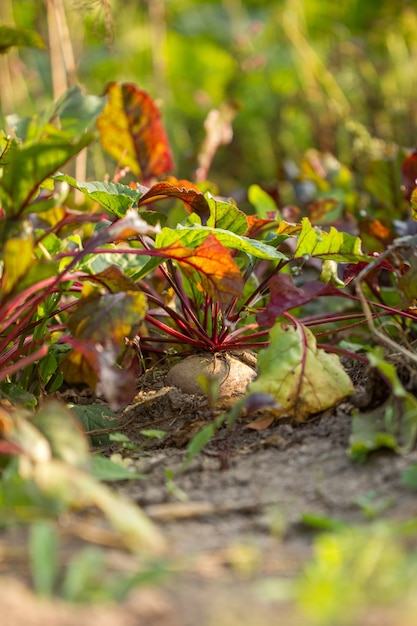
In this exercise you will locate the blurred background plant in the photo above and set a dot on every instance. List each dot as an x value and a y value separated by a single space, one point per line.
296 74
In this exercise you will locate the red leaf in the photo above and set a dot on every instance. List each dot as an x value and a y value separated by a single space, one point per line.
285 295
131 131
409 175
188 193
256 225
352 270
94 364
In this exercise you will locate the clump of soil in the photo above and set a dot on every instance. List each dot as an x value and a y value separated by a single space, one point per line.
232 373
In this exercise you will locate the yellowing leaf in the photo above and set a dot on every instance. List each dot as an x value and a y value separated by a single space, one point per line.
332 245
100 326
414 204
17 258
219 275
131 131
288 228
114 280
302 378
108 318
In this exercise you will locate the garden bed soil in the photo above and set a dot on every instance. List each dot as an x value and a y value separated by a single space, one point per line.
233 519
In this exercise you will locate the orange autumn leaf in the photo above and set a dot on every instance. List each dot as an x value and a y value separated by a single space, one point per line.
288 228
257 224
192 198
219 276
376 229
131 131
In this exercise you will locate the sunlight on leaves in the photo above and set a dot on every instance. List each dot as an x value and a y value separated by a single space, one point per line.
113 197
226 216
264 204
25 168
192 237
191 197
334 245
219 276
17 257
302 378
131 131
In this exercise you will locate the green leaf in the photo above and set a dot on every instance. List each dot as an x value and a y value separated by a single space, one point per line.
43 550
409 477
226 216
382 180
153 433
262 201
105 469
114 280
96 417
321 522
302 378
201 439
24 168
74 113
63 433
38 271
21 501
19 37
369 433
114 197
17 395
334 245
194 236
78 111
392 425
83 580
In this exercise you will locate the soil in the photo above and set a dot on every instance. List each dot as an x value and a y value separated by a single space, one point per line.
234 519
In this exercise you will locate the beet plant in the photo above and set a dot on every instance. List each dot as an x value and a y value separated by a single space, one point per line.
103 286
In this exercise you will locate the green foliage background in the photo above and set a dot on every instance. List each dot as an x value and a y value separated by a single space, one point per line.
301 70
